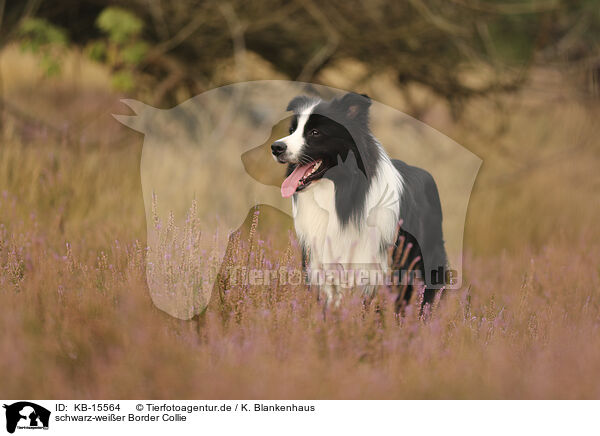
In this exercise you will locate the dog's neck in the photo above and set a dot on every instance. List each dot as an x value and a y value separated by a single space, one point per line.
355 230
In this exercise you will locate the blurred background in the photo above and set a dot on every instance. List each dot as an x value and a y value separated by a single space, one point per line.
516 82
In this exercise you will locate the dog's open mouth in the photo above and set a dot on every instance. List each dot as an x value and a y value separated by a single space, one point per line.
301 177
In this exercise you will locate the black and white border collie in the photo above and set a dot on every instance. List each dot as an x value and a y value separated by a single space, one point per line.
348 196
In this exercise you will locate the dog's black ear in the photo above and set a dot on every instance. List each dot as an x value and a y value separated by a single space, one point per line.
356 106
298 102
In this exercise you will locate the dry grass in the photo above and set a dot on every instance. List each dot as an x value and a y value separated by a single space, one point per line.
526 328
78 321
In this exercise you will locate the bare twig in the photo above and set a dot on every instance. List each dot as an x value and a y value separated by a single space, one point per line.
509 8
325 52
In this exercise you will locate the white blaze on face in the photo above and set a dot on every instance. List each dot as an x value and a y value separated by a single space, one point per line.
295 142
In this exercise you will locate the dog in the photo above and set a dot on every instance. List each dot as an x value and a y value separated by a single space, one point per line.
348 198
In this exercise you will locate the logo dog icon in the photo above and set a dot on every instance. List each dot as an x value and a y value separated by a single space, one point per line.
26 415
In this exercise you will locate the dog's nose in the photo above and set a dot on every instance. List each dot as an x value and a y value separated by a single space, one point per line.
278 148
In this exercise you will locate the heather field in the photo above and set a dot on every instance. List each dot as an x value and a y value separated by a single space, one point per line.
77 320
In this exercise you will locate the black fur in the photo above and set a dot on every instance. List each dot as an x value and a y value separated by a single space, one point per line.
346 146
421 212
351 155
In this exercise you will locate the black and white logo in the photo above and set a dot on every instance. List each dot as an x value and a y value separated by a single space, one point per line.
26 415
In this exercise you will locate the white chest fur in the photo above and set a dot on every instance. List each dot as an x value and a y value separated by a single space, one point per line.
356 243
320 230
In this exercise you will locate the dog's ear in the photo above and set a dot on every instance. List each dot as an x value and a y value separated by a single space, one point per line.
356 106
298 102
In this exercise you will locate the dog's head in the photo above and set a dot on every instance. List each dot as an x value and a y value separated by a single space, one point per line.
323 134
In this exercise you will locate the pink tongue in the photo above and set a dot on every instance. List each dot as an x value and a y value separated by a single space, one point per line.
289 185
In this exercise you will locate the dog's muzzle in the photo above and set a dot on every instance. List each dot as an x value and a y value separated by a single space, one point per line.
278 150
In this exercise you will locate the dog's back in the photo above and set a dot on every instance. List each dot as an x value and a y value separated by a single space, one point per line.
421 212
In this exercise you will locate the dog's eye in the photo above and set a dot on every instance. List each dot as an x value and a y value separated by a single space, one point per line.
314 132
291 130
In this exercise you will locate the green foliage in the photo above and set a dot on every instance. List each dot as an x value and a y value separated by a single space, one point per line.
123 81
50 65
122 49
38 33
513 37
96 50
134 53
40 37
119 24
